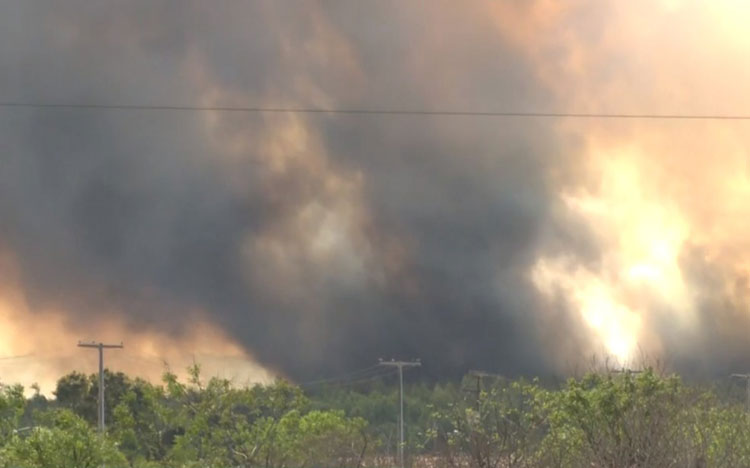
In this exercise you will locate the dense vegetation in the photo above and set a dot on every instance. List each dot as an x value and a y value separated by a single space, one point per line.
600 420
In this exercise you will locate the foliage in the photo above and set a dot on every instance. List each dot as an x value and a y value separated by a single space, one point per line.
12 406
68 442
261 425
640 420
620 420
600 420
377 403
493 428
142 423
80 393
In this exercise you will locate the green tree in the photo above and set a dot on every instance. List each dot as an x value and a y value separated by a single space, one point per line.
264 425
74 392
80 393
231 426
318 438
12 407
720 433
629 420
66 441
498 427
142 423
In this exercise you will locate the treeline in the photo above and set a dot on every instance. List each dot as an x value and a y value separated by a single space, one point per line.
603 419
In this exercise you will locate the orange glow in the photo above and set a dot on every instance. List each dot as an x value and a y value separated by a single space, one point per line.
45 343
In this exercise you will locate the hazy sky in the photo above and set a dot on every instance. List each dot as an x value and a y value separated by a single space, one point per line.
313 244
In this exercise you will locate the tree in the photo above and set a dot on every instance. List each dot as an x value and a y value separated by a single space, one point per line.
269 426
74 392
79 393
318 438
720 433
499 427
12 406
66 441
627 420
142 423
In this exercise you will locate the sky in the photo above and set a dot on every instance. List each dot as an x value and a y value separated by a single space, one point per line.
308 245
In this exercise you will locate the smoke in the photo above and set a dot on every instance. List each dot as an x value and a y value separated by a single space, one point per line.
317 243
38 345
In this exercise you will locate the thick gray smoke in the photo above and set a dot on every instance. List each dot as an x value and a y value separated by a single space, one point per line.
321 242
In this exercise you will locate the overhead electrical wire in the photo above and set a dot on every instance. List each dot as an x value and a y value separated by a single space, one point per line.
13 358
358 376
347 375
367 379
364 374
26 359
372 111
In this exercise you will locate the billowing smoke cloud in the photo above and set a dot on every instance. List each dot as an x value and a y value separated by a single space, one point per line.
665 200
321 242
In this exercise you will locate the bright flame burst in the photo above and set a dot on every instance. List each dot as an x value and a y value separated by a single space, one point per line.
638 273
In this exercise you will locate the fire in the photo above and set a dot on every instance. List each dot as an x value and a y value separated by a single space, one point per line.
638 274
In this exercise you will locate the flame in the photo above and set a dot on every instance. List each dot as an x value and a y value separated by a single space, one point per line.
651 193
641 237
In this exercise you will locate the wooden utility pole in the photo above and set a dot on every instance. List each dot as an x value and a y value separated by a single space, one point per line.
101 347
400 365
746 377
479 375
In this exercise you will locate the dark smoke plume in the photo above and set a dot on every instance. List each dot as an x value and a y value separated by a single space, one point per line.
320 242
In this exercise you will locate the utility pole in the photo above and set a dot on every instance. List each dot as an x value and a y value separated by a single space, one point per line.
101 347
479 375
400 365
746 377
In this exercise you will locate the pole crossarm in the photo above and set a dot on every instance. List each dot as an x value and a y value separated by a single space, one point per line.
480 375
94 344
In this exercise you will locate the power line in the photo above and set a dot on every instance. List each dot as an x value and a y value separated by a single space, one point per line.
362 375
13 358
361 380
373 111
340 377
147 361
